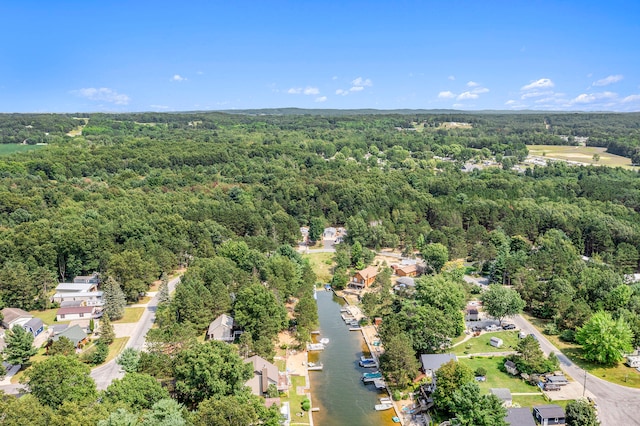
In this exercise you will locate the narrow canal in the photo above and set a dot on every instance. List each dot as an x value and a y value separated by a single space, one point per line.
338 390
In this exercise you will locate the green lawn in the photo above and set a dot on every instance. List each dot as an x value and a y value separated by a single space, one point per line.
495 377
48 317
619 374
321 264
531 400
295 401
116 347
481 344
130 315
11 148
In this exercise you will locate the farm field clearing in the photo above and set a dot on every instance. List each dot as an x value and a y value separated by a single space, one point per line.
583 154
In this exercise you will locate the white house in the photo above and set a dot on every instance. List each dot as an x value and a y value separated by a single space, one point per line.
85 292
75 312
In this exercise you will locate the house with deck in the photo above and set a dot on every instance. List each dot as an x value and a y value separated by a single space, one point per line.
364 278
85 293
223 329
87 279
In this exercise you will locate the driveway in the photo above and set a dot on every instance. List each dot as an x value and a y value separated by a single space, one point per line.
617 405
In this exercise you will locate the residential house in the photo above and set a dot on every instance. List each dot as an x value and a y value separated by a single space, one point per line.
511 368
265 374
14 316
86 293
549 414
472 315
504 394
330 233
75 312
87 279
406 270
223 329
76 334
365 277
432 362
520 417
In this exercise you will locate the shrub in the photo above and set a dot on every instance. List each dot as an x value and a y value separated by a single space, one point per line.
551 329
396 395
481 371
306 404
568 336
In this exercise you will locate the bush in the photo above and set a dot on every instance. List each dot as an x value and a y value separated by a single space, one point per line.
396 395
551 329
481 371
306 404
568 336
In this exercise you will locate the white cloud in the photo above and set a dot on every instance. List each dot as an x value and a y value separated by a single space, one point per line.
631 98
341 92
472 84
200 72
608 80
311 91
467 95
103 94
306 91
451 77
321 99
542 83
363 82
480 90
356 89
178 77
446 95
159 106
536 93
295 91
511 102
587 98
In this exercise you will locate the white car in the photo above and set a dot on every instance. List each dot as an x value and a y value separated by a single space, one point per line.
492 327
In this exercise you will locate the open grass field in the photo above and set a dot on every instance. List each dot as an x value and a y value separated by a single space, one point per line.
495 377
11 148
130 315
48 316
295 401
115 348
481 344
321 264
583 154
619 374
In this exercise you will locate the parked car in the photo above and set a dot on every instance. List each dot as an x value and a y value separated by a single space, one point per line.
551 387
476 328
509 327
492 327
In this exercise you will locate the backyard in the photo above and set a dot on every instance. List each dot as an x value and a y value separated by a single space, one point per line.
481 344
321 264
497 378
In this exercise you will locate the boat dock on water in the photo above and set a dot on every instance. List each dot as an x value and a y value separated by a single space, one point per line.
315 347
314 366
371 377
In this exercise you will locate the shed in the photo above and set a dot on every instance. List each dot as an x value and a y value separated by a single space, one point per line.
472 314
504 394
549 414
511 368
496 342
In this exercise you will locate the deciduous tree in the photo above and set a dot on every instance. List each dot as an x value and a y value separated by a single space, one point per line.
604 339
501 302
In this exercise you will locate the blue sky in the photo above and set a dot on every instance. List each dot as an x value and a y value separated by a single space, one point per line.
72 56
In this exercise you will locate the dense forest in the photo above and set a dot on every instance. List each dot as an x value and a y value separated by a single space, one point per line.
137 195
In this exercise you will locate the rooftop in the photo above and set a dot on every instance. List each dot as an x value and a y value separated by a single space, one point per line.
550 411
434 361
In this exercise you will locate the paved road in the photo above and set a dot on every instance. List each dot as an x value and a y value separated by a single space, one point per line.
617 405
104 375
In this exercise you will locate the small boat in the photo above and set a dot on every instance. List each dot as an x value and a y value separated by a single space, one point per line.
371 364
327 287
314 366
382 407
395 419
324 341
358 328
371 377
386 400
364 358
315 347
379 384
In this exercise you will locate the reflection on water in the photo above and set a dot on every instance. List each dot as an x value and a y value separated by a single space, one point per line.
338 389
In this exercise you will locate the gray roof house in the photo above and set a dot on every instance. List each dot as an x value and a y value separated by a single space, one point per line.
432 362
34 326
549 414
76 334
86 279
265 374
520 417
13 316
221 329
504 394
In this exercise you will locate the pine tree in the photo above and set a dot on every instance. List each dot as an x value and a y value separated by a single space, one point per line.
114 299
163 292
107 334
19 346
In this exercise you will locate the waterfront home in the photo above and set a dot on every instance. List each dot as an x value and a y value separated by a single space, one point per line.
432 362
364 278
549 414
265 374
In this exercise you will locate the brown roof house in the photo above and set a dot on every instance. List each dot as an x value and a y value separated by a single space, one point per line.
407 270
75 312
14 316
364 278
265 374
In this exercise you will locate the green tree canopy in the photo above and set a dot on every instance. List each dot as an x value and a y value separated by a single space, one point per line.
501 302
604 339
138 391
19 346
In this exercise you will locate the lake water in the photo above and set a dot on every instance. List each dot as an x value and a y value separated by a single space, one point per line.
338 390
